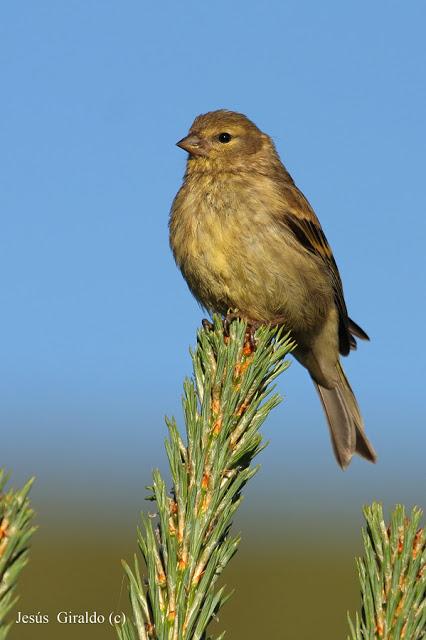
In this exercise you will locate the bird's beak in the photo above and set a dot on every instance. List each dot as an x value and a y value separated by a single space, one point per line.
194 145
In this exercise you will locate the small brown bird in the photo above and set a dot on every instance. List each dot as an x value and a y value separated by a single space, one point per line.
247 240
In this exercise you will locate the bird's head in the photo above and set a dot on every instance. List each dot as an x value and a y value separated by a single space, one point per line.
224 138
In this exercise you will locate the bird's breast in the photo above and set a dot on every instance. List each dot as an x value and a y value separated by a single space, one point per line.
233 255
204 233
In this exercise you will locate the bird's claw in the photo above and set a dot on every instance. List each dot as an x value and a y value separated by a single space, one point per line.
230 317
249 339
207 325
252 326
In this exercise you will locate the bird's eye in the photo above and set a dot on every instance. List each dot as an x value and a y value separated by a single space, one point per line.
224 137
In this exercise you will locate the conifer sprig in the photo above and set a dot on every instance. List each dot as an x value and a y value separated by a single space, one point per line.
15 531
392 576
188 544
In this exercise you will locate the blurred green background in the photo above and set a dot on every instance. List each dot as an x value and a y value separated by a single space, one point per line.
294 576
291 581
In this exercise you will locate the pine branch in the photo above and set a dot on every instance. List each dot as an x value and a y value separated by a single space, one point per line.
15 532
393 578
188 544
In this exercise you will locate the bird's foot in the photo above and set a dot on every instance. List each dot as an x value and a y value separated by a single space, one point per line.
250 339
228 319
207 325
252 326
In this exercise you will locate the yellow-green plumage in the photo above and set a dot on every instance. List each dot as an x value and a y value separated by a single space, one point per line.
236 261
246 239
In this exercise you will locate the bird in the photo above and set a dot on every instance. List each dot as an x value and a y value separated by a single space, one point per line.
246 239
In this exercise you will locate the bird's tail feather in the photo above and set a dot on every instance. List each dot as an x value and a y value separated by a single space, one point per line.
345 422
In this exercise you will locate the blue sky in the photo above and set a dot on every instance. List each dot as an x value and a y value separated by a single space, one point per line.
96 320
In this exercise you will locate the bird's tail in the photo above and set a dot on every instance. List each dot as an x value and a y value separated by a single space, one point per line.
345 421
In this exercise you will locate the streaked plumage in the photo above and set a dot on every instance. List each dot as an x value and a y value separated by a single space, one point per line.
247 239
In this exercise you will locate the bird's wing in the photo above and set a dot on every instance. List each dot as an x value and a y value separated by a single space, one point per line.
300 218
